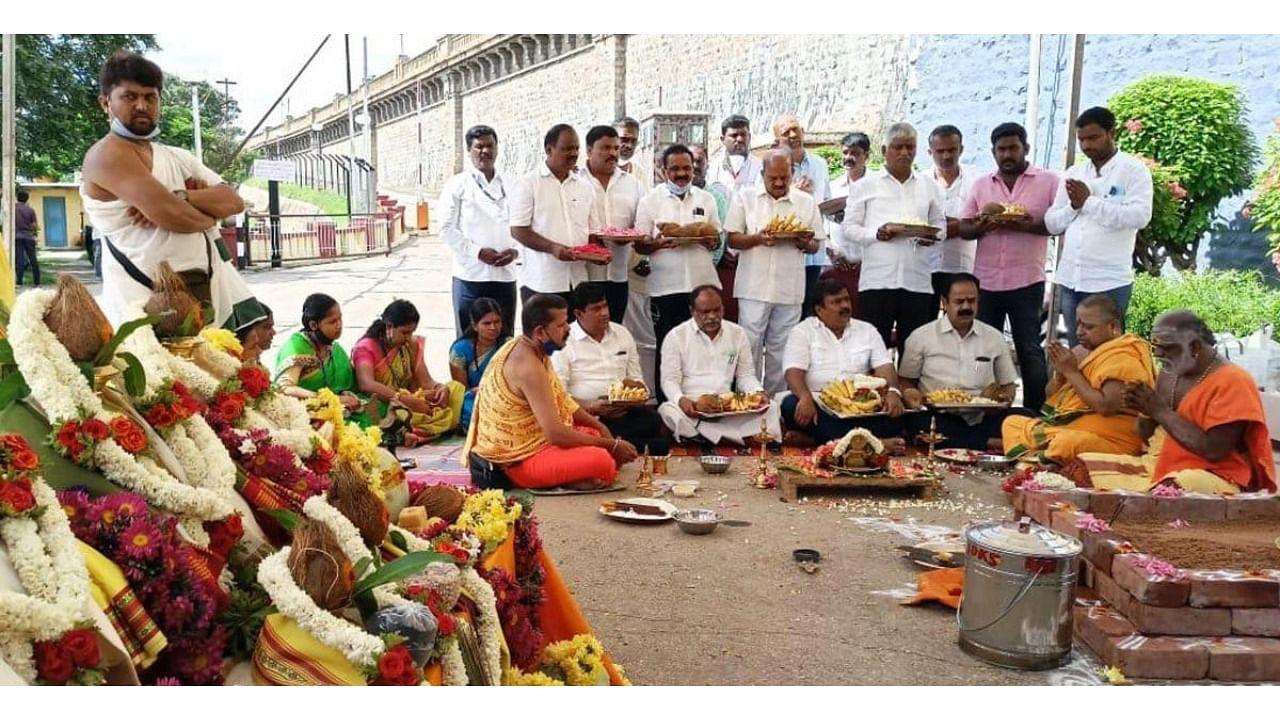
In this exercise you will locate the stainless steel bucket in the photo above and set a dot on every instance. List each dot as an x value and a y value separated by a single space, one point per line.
1019 588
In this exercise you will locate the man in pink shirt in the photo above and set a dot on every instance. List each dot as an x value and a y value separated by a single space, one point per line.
1011 254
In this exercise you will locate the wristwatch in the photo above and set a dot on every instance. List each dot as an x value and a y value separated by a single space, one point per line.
895 391
182 195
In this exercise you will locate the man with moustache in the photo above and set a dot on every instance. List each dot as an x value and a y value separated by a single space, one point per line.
733 166
552 211
809 172
957 351
846 259
478 234
1010 256
616 195
628 138
955 253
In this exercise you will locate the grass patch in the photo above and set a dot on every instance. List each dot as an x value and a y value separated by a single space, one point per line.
330 203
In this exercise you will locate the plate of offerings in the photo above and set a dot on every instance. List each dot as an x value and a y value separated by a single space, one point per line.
644 511
731 404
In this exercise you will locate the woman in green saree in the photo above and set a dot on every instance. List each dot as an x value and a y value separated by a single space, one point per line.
312 359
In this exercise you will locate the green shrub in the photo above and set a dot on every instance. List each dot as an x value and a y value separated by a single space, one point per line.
835 160
1264 209
1197 129
1167 196
1229 301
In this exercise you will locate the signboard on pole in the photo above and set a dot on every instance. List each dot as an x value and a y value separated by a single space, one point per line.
278 170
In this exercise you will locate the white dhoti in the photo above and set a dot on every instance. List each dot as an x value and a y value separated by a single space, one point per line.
639 321
734 429
767 326
133 253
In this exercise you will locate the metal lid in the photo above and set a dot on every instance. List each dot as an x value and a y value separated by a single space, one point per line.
1025 538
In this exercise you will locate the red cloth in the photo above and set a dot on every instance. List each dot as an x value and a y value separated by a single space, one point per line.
555 466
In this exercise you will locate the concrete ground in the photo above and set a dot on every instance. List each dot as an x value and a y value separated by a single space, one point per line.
732 607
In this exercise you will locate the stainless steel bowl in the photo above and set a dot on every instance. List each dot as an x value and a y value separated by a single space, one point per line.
995 462
697 522
715 464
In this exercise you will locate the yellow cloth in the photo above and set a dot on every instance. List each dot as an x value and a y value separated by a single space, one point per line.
503 428
140 635
288 655
1136 473
441 419
7 291
1068 426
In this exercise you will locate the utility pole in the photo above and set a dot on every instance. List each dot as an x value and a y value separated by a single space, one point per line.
226 97
7 175
351 126
195 121
1073 110
370 204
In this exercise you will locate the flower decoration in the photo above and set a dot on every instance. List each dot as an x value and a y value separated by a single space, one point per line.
1091 523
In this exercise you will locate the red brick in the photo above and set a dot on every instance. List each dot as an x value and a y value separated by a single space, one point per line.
1244 659
1190 509
1018 499
1161 658
1147 589
1112 506
1255 621
1233 589
1111 593
1095 624
1152 620
1253 507
1037 504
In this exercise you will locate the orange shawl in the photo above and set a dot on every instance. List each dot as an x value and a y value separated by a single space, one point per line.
1229 394
504 429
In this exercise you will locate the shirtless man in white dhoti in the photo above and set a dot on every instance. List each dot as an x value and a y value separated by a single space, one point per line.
153 202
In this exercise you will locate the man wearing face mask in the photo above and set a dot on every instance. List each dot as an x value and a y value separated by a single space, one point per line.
628 161
958 351
155 203
676 268
734 167
527 430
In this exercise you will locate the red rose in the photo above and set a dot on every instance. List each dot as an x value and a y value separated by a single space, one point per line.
179 389
254 380
24 459
76 449
16 497
160 416
230 406
67 433
445 623
394 662
96 429
128 435
191 406
82 647
52 664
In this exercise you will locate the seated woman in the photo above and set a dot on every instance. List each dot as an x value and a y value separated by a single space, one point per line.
312 359
256 338
391 366
470 354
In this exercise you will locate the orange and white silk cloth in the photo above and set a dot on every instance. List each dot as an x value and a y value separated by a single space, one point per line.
503 428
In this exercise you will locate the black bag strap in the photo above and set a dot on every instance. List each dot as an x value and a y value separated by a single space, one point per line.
133 271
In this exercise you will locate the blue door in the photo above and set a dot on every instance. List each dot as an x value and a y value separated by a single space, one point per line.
55 222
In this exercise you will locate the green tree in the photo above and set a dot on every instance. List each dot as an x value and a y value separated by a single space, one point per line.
56 98
218 134
1196 129
1264 209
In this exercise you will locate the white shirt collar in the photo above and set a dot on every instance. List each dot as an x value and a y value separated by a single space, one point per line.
764 192
944 324
577 333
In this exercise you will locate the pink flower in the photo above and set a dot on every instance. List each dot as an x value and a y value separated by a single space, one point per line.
1169 490
1032 486
1134 126
1089 523
1157 568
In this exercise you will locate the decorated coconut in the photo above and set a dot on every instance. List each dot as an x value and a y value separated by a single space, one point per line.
319 566
351 495
77 321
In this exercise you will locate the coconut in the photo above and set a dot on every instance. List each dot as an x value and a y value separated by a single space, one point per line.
319 566
441 501
349 492
173 303
76 320
993 208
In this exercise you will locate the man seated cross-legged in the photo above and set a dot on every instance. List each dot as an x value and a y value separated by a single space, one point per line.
526 425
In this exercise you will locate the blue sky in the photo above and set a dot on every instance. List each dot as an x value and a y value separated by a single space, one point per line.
262 65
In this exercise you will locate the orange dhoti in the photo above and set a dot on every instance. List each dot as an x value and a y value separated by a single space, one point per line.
555 466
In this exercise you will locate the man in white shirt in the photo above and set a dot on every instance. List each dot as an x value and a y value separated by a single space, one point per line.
598 354
846 258
889 215
617 194
552 212
675 269
830 346
955 254
958 351
770 279
809 172
478 233
1099 210
734 166
628 161
708 355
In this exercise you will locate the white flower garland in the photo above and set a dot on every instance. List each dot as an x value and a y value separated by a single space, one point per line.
358 646
318 508
454 669
64 392
219 364
299 441
198 381
288 413
51 569
489 628
843 445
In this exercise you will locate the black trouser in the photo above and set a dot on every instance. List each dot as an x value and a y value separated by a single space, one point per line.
616 293
887 308
27 254
812 273
958 433
528 292
828 427
466 292
667 311
1022 307
641 427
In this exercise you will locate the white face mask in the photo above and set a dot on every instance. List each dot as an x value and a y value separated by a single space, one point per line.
119 128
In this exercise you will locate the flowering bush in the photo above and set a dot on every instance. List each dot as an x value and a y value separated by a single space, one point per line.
1229 301
1197 129
1264 209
